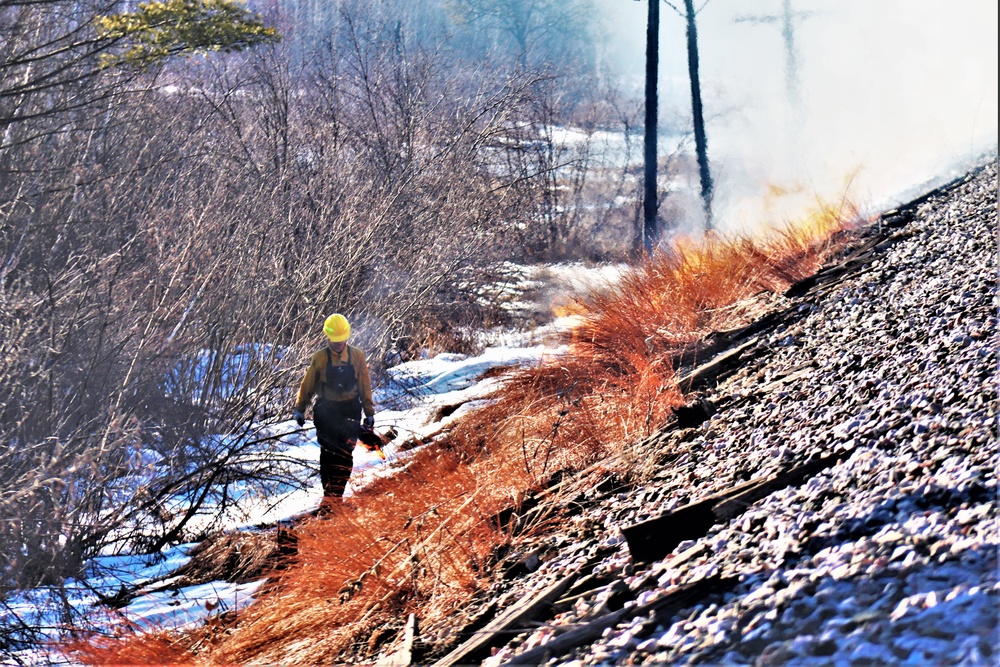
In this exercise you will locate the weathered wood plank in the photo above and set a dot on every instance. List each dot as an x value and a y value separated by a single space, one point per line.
513 620
404 656
738 503
706 372
654 538
683 596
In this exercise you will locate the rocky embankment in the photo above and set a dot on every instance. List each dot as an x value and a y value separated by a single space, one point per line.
847 450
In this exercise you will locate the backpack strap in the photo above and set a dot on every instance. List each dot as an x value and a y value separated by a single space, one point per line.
329 364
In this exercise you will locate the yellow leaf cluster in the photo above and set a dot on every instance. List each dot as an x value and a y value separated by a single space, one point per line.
158 30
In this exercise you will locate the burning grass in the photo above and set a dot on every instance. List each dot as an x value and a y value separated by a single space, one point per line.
424 541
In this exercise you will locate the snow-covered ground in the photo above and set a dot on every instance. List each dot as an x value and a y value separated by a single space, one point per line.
410 402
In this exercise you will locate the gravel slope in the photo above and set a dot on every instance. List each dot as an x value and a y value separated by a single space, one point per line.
888 557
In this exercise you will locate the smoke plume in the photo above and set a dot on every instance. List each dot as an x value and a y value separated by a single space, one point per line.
812 100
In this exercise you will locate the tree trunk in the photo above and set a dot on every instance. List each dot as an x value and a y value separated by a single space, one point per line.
649 204
700 142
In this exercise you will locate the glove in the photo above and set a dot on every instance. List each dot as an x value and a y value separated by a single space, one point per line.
300 417
369 422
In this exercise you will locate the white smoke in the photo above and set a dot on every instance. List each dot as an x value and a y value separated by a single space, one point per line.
893 96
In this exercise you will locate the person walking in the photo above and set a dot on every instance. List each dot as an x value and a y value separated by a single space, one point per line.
338 377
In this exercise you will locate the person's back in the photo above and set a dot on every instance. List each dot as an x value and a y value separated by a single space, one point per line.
338 377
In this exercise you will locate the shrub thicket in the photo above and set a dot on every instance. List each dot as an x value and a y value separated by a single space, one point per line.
173 239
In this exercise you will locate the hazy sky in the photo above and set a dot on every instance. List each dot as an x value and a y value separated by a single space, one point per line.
891 94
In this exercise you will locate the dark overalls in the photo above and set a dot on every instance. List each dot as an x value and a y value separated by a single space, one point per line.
337 427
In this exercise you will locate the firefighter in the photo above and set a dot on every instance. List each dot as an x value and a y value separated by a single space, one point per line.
338 377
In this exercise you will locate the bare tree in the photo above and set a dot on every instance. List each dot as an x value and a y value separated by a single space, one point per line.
650 203
697 110
534 31
166 260
59 58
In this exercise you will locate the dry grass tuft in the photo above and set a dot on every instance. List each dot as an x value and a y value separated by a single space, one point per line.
133 647
238 557
685 293
420 541
424 541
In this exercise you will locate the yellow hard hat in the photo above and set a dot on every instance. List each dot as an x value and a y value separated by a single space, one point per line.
337 328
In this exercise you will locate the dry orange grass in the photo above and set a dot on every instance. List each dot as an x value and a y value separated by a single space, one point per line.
687 292
618 383
134 647
423 541
420 542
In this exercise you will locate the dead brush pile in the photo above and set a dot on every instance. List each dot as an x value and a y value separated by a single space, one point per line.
426 540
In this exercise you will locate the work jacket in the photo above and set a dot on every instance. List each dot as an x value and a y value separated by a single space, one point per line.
315 381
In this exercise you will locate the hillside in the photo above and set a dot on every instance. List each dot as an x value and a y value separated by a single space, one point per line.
825 495
882 374
624 288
